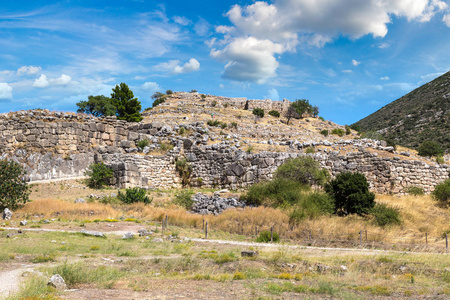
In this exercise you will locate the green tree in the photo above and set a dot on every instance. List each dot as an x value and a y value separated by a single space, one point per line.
303 170
128 107
430 148
290 113
351 194
98 106
302 106
99 175
158 98
14 190
441 193
315 111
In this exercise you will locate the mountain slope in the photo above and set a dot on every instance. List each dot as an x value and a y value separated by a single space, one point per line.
423 114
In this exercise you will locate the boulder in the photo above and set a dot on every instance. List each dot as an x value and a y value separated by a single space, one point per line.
80 200
93 233
57 282
7 214
127 236
23 223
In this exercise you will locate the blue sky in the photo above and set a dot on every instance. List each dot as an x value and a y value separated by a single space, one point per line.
349 57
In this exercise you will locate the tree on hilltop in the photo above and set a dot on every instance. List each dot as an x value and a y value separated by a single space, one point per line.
290 113
128 107
98 106
302 106
14 191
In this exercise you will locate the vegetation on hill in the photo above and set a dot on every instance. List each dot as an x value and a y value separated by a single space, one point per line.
421 115
14 190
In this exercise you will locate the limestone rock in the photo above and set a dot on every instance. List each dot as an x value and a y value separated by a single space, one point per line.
7 214
57 282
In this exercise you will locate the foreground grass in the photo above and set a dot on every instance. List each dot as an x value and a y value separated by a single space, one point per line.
138 263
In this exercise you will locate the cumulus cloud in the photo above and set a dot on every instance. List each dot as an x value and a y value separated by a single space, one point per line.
384 78
63 80
5 91
202 27
356 63
28 70
446 20
173 66
284 24
151 87
41 82
347 71
249 59
191 66
272 94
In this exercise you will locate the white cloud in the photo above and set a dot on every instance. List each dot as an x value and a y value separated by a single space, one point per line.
286 23
355 62
272 94
41 82
63 80
384 78
167 66
181 20
347 71
383 45
221 86
28 70
151 87
191 66
202 27
5 91
249 59
446 20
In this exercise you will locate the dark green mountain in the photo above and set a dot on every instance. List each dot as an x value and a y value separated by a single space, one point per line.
421 115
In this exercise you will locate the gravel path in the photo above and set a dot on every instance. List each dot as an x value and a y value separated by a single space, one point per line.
10 280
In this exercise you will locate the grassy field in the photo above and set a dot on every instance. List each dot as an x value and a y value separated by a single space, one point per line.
114 268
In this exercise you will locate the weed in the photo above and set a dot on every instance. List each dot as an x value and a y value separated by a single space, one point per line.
238 276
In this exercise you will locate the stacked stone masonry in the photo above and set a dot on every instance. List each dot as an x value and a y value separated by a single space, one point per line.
57 145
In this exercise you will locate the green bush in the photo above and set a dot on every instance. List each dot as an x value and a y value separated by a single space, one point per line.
234 125
385 215
415 190
184 199
338 131
169 92
264 237
430 148
143 143
184 170
274 113
214 123
99 175
324 132
310 150
223 125
304 170
322 119
14 190
134 195
440 160
351 195
278 192
312 206
347 130
258 112
441 192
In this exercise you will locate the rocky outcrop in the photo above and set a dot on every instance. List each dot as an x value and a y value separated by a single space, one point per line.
215 204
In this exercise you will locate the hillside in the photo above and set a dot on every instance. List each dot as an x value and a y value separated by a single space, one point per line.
423 114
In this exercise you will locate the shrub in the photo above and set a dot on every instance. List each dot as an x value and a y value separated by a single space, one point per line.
441 192
385 215
213 123
165 146
440 160
184 170
275 193
338 131
347 130
213 103
193 91
351 195
14 190
184 199
134 195
304 170
415 190
274 113
264 237
430 148
258 112
310 150
391 143
143 143
324 132
234 125
169 92
99 175
223 125
312 206
322 119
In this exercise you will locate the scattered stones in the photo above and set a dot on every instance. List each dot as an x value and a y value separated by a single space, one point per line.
80 200
144 232
127 236
157 240
57 282
93 233
23 223
7 214
215 204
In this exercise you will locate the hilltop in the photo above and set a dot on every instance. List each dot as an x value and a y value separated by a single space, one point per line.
421 115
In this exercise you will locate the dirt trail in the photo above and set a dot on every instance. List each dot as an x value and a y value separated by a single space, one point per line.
10 280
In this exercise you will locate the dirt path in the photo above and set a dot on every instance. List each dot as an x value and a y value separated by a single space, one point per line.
10 280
